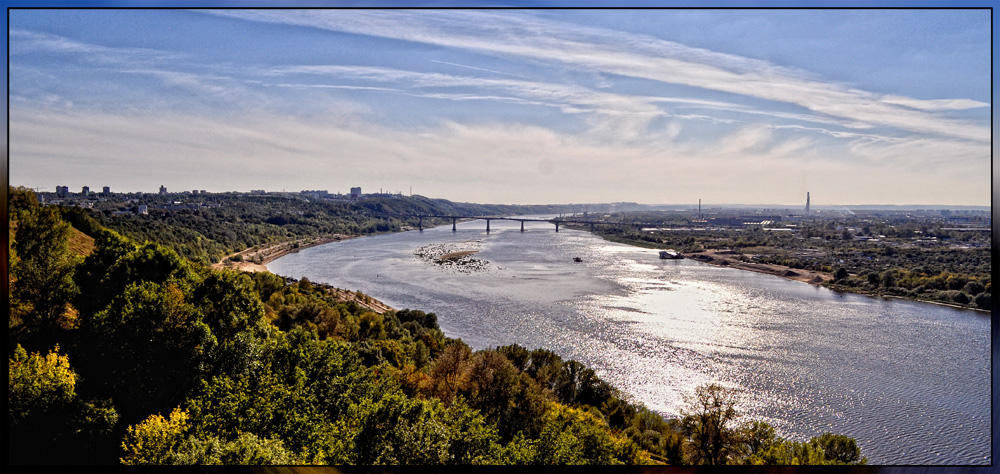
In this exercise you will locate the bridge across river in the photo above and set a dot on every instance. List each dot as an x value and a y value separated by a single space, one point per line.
522 220
555 221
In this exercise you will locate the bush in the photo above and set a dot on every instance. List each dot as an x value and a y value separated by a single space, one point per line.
888 279
947 295
960 298
973 288
840 274
983 301
839 448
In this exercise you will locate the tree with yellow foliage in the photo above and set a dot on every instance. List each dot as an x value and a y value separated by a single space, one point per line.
152 441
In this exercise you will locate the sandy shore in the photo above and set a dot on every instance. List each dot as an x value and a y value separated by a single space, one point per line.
456 255
732 259
366 301
246 260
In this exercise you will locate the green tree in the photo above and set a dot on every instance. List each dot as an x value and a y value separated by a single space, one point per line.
984 301
398 430
228 303
888 279
707 422
790 453
246 450
91 275
20 199
618 412
298 391
371 326
20 309
840 274
507 397
572 436
973 288
755 438
471 438
38 383
839 448
267 284
45 411
448 373
146 349
42 278
519 451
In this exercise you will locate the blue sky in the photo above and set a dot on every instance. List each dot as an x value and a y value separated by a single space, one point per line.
509 106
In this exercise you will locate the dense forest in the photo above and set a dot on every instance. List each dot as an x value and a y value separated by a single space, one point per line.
121 350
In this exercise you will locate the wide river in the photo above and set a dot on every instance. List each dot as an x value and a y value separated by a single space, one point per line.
910 381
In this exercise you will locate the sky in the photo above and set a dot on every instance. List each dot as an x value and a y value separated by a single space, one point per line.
509 106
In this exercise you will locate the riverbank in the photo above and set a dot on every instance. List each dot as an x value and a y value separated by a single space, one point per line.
733 259
256 259
848 289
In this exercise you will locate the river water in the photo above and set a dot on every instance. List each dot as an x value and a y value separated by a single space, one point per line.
910 381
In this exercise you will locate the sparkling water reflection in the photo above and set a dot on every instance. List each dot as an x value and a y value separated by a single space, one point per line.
910 381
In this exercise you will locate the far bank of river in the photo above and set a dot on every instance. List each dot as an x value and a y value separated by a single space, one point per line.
735 259
910 381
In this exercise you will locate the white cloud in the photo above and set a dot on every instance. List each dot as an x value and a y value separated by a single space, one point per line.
623 113
286 127
639 56
482 162
28 42
939 104
479 68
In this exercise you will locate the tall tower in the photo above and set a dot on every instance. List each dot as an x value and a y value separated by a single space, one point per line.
699 208
807 202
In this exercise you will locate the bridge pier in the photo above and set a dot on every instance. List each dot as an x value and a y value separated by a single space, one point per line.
453 229
522 225
591 227
487 226
557 226
420 224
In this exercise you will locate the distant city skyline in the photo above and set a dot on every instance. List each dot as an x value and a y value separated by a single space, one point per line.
695 206
857 107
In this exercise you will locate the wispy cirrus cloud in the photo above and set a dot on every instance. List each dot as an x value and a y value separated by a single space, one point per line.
633 112
637 110
464 101
510 159
640 56
478 68
30 42
568 98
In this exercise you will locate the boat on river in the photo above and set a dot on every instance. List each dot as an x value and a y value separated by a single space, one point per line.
670 255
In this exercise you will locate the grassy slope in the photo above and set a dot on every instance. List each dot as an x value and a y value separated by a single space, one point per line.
79 243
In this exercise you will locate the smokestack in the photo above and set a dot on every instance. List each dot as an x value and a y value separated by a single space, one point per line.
699 208
807 202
